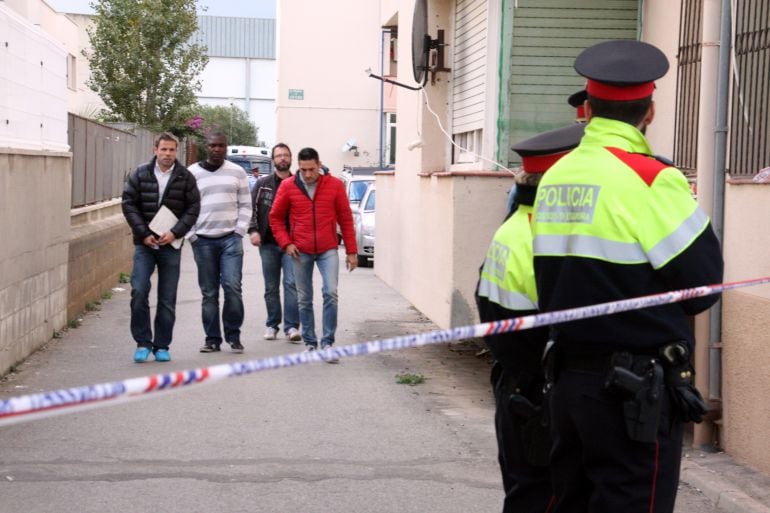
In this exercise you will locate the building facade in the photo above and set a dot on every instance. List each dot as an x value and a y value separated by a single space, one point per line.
242 68
511 72
325 98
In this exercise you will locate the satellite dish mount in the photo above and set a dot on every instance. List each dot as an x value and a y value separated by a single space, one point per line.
427 53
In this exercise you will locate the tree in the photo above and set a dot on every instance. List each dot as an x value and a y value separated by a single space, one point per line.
231 121
143 63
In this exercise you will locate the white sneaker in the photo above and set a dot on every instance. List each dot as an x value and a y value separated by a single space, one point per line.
333 358
270 333
293 335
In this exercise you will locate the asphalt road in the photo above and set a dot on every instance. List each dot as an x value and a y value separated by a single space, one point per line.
315 438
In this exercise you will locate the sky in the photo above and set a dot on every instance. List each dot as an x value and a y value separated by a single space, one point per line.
240 8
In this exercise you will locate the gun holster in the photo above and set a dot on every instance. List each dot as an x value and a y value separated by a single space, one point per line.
535 437
639 381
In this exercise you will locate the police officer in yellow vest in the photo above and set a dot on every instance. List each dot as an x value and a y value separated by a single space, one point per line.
506 289
612 222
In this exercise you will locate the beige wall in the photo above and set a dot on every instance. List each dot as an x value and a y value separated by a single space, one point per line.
433 224
746 326
340 101
660 27
33 256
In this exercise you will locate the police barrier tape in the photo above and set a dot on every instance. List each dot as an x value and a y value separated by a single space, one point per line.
57 402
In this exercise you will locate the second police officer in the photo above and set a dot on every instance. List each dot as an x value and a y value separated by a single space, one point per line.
506 289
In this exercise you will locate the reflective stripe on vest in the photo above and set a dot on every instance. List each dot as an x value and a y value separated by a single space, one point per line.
508 277
505 298
678 240
623 252
590 247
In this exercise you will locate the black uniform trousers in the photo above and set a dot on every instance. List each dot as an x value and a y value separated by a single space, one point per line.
527 485
595 467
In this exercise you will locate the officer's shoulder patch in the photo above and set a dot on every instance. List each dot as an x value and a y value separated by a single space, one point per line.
646 166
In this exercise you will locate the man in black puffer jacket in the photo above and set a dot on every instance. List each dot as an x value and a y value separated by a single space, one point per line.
161 182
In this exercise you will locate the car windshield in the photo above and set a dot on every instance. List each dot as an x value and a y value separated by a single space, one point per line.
357 190
264 167
370 201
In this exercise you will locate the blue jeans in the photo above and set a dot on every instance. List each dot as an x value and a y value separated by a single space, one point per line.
329 265
167 260
220 262
274 260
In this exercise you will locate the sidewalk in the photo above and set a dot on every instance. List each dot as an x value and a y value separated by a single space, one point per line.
733 488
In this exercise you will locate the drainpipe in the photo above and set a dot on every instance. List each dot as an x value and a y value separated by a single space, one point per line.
720 171
703 434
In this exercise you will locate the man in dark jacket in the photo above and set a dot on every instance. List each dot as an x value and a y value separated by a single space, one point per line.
315 203
162 182
274 260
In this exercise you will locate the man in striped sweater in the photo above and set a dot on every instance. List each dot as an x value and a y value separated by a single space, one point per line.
217 242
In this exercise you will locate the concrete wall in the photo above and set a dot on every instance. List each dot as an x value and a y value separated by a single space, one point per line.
100 249
33 255
340 101
746 326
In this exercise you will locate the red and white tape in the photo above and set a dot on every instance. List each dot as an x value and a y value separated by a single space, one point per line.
58 402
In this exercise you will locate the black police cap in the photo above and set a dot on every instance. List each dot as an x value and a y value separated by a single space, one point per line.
577 99
541 151
621 70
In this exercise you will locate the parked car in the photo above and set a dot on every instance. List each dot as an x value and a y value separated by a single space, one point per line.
363 220
356 180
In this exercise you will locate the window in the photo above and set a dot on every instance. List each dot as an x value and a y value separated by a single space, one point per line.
357 190
750 117
72 78
469 70
688 86
390 139
471 141
370 202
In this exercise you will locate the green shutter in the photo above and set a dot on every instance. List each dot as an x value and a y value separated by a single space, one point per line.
546 36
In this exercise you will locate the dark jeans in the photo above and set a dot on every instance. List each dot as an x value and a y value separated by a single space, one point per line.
275 261
145 259
220 262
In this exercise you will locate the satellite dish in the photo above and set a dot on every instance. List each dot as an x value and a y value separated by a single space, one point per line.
421 41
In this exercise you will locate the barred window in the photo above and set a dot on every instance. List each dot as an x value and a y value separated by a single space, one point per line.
688 86
750 117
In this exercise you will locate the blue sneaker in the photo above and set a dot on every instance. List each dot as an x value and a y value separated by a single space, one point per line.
161 355
141 354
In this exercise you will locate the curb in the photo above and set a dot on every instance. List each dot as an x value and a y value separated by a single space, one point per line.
725 496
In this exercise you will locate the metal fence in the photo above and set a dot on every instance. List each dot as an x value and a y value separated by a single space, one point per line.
688 86
102 157
750 116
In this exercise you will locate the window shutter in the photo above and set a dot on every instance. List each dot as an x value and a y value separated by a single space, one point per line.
469 66
547 36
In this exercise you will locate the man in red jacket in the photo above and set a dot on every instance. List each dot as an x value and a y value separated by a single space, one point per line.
315 204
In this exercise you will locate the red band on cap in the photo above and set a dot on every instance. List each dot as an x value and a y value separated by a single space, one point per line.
540 163
619 93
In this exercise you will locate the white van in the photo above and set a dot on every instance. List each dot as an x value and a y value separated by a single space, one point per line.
248 150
